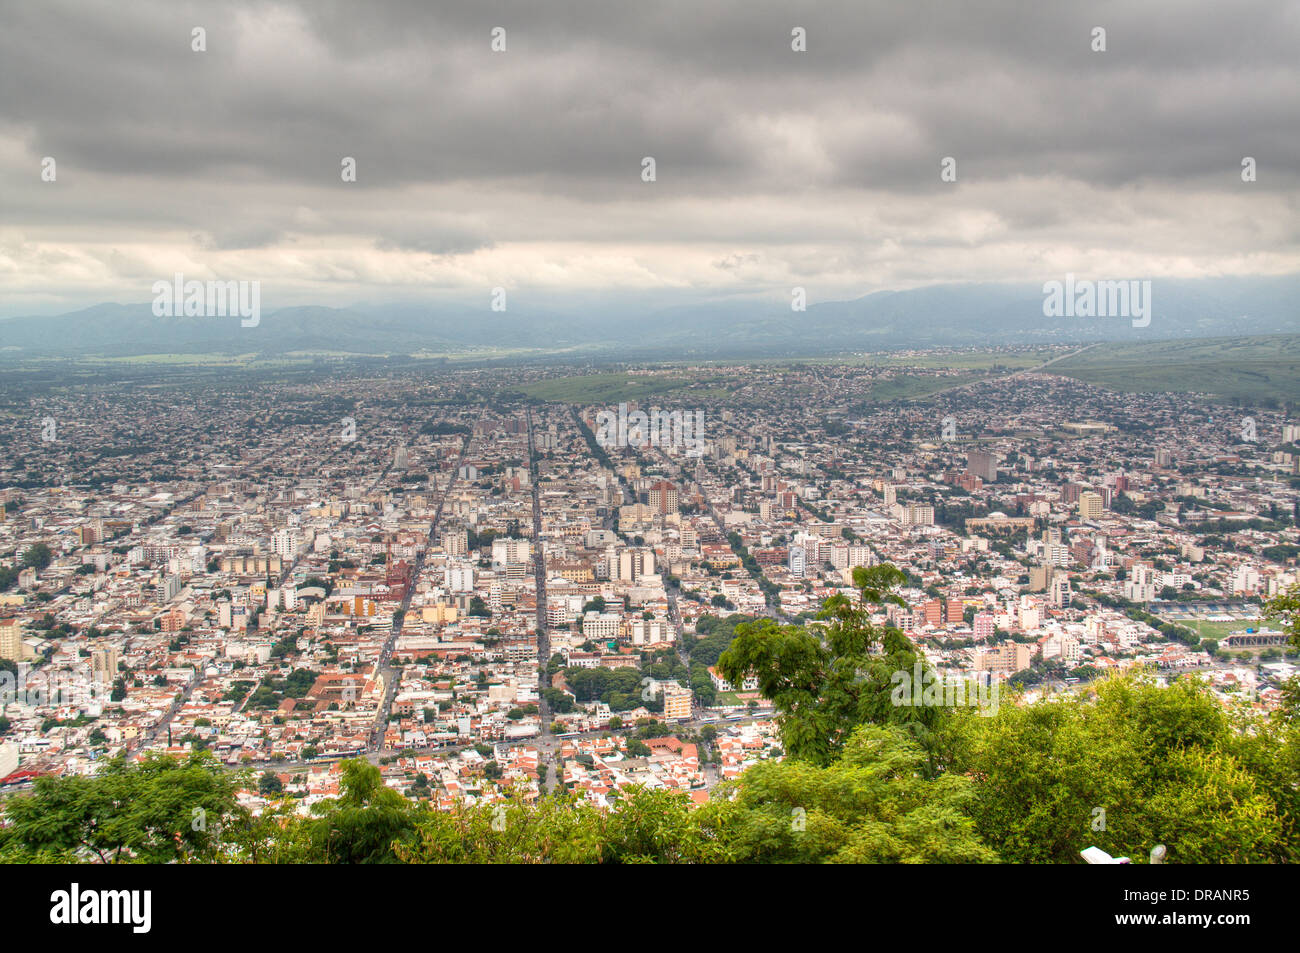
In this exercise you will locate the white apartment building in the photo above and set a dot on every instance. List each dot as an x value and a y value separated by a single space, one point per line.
458 576
510 552
601 625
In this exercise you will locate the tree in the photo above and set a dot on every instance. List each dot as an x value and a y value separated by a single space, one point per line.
872 805
559 829
269 784
363 824
157 810
1286 607
38 556
825 685
560 702
1158 765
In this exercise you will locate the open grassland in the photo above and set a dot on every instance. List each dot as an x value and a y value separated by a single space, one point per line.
993 359
232 360
919 386
1254 369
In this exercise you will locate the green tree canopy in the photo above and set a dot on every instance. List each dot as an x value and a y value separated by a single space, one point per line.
157 810
828 679
1125 767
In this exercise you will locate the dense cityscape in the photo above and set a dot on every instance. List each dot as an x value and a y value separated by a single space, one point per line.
490 595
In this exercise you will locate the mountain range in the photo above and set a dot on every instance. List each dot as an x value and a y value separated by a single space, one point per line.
949 315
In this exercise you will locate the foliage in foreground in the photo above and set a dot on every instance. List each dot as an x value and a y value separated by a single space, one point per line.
1124 765
1165 765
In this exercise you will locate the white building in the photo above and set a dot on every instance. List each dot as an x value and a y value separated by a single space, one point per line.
458 576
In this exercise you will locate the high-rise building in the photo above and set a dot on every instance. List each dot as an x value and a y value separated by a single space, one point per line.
933 611
458 576
663 497
633 564
648 631
1245 579
677 701
1007 659
813 545
918 514
11 640
285 543
982 464
796 561
103 664
1070 492
861 556
1140 586
1090 505
1030 614
455 542
510 552
1059 591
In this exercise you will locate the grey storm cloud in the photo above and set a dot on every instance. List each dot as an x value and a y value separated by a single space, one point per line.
462 151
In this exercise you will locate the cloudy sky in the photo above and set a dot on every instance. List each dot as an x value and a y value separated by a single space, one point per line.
523 168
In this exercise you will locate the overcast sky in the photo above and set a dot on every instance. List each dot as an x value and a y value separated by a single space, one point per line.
523 168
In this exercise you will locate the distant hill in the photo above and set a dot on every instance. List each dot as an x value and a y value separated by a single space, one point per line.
935 316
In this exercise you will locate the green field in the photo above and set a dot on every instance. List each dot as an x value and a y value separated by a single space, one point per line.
182 359
1256 369
977 360
1260 370
917 386
1217 630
